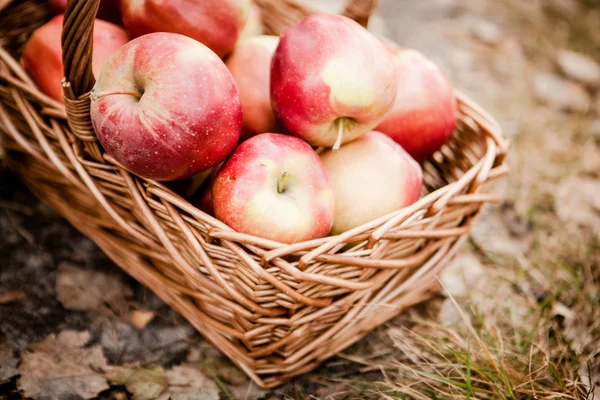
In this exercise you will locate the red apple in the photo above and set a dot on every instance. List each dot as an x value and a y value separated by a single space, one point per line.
331 80
274 186
108 10
166 107
42 56
424 114
216 23
250 65
253 25
371 177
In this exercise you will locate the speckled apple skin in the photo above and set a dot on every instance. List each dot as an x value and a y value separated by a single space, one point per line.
42 56
328 67
371 177
423 116
246 198
215 23
188 118
250 66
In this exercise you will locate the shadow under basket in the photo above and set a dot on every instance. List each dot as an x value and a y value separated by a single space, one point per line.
276 310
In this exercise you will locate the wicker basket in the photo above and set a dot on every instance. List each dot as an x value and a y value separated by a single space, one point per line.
276 310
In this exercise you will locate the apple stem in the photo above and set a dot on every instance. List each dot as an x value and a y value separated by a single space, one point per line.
340 135
281 182
96 96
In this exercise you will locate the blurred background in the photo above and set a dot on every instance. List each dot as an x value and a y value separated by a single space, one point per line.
518 315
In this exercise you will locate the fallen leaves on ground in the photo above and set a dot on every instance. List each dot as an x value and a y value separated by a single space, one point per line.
91 290
144 383
140 318
159 343
61 366
8 363
188 382
183 382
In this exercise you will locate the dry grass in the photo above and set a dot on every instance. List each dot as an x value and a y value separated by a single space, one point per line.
531 328
542 343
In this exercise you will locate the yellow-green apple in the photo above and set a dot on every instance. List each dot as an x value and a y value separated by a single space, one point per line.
371 176
423 116
166 107
215 23
253 25
250 65
42 55
108 9
274 186
202 199
331 80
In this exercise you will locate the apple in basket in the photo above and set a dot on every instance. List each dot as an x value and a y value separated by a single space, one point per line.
250 65
331 80
42 55
108 9
215 23
275 187
166 107
423 116
254 26
371 176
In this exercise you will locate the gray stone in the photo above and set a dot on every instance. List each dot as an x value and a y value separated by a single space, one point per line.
579 67
561 93
577 201
492 236
487 32
449 315
461 274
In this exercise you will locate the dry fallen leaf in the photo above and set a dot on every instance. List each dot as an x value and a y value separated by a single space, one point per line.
144 383
91 290
187 382
61 366
217 363
8 363
160 343
140 318
12 296
247 391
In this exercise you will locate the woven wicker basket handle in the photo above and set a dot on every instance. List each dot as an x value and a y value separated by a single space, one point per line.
77 41
278 15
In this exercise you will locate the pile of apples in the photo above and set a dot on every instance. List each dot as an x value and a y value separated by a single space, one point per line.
289 138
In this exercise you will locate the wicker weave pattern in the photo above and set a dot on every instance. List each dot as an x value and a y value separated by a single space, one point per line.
276 310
